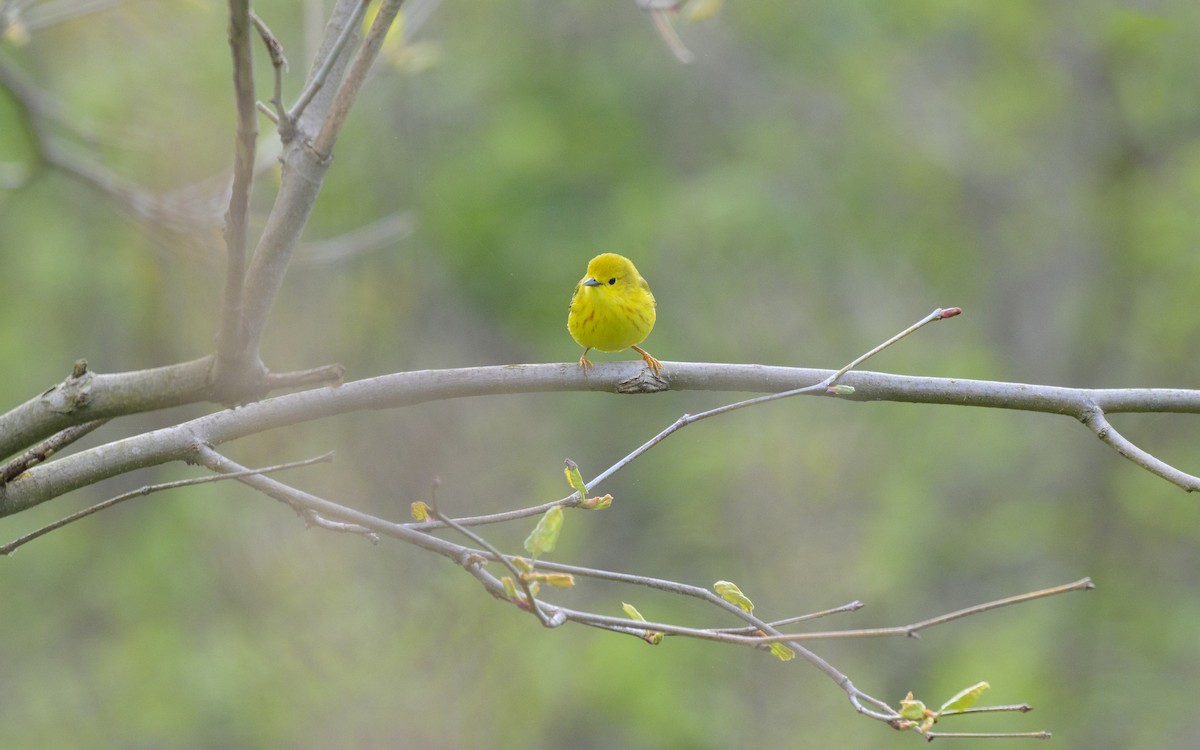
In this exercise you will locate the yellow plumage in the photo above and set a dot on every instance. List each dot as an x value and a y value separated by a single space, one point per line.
612 309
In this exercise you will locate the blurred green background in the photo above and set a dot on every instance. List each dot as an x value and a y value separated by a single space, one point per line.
824 174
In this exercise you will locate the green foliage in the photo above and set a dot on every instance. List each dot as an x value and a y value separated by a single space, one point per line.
575 479
544 536
964 699
730 592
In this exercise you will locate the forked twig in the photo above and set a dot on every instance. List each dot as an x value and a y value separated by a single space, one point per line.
8 549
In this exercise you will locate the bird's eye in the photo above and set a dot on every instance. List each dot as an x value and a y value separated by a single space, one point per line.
612 281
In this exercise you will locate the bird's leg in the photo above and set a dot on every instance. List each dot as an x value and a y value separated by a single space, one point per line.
584 362
651 362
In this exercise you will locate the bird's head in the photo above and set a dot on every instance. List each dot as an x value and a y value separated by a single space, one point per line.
610 269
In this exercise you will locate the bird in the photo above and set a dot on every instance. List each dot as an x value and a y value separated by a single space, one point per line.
612 309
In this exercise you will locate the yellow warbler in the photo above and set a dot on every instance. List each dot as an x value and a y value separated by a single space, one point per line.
612 309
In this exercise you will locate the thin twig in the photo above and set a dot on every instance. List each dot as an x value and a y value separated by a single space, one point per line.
936 315
988 735
572 501
825 385
1095 420
266 112
278 62
738 636
849 607
321 74
1083 584
1020 708
469 559
534 605
348 91
13 468
7 549
304 502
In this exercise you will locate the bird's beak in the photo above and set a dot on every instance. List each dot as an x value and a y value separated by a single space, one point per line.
589 281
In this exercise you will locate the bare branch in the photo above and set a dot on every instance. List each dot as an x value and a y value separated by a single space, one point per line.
304 169
573 501
236 363
93 396
278 62
8 549
41 483
531 601
43 450
1084 584
322 72
472 560
348 92
302 501
1094 418
933 317
853 606
989 735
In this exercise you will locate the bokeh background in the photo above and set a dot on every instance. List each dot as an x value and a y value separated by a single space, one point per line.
825 173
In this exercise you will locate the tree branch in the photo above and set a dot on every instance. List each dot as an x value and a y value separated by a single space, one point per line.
8 549
304 167
89 396
235 362
46 481
45 449
357 75
327 65
552 615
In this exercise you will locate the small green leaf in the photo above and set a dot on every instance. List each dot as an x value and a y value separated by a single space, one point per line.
964 698
558 580
575 479
653 637
545 535
732 594
632 613
842 390
782 652
420 511
912 709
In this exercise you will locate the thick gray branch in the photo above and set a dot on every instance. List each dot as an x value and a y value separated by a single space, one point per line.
50 480
91 396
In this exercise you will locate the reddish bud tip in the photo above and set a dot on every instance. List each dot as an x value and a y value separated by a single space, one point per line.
950 312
